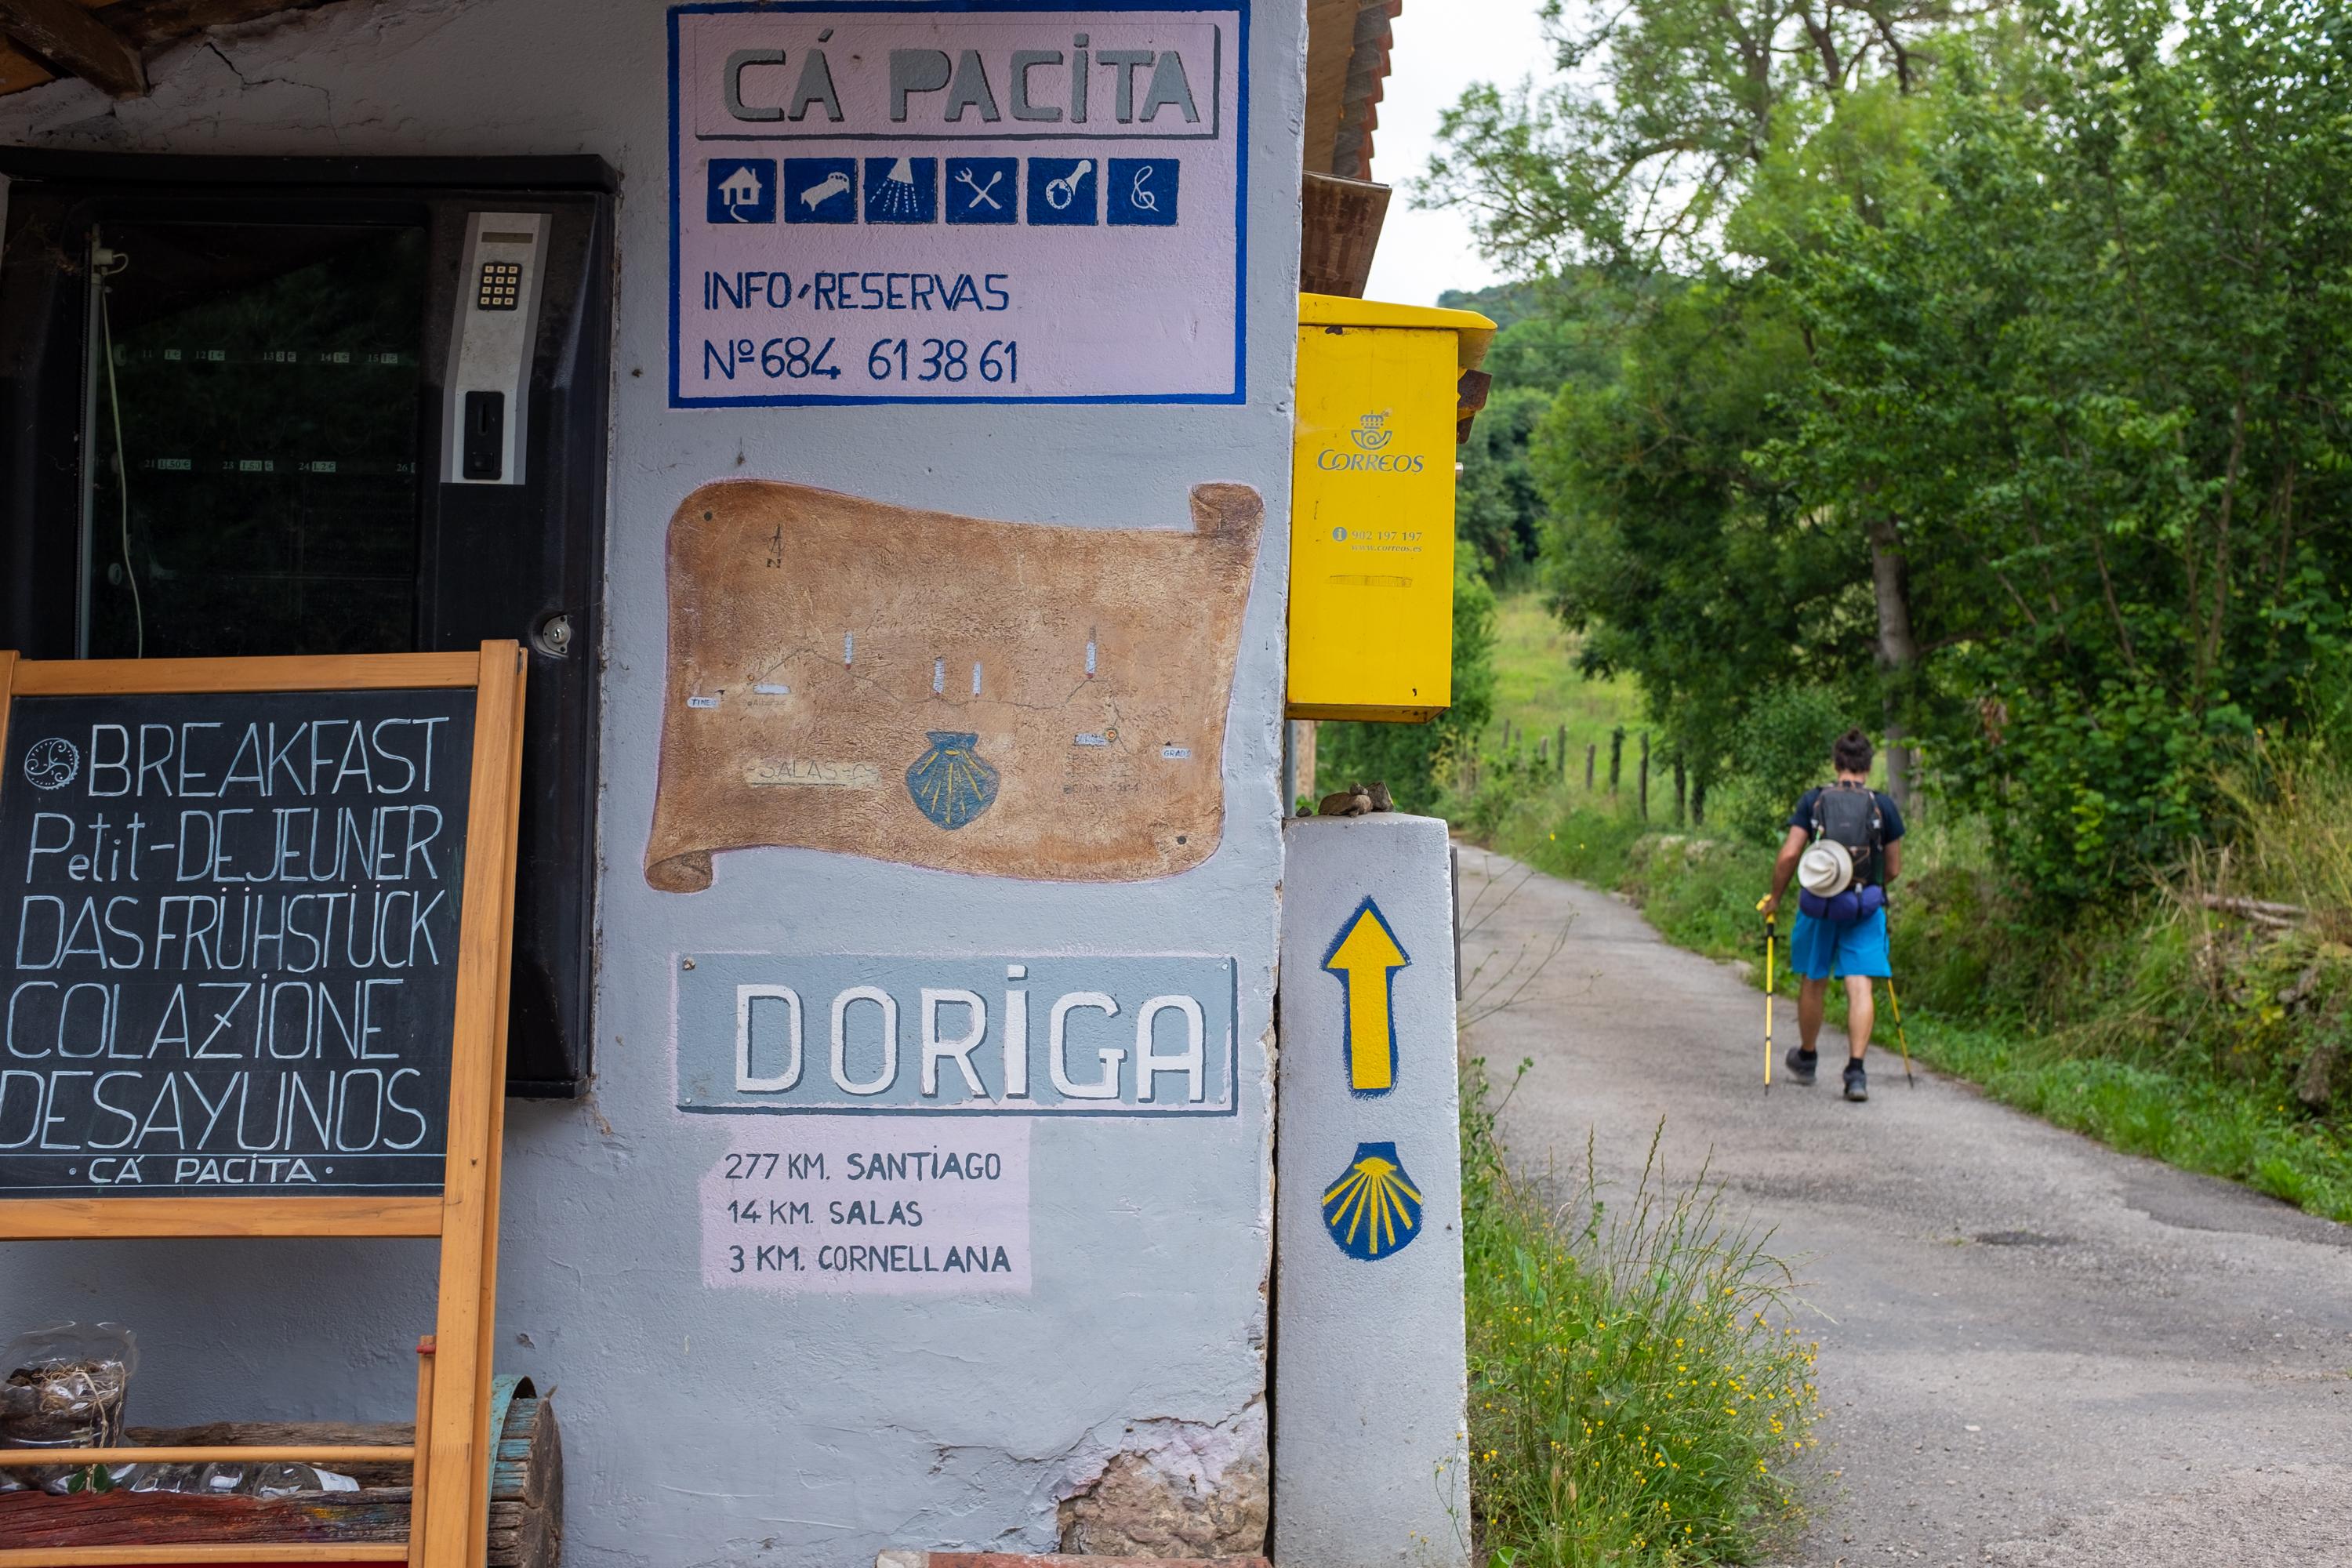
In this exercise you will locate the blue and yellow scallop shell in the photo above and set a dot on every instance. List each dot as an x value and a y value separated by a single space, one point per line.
1373 1210
949 783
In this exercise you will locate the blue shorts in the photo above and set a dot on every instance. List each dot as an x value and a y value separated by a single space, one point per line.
1819 951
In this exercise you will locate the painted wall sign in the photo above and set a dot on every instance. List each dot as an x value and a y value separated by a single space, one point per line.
1373 1210
1003 697
1365 957
870 1205
1115 1033
229 954
901 202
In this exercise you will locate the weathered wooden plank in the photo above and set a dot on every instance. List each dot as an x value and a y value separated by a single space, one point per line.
525 1522
227 1553
120 1454
68 1218
290 672
29 1518
149 22
520 1471
65 34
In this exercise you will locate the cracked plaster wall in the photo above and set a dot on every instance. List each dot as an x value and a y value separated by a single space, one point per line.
1121 1402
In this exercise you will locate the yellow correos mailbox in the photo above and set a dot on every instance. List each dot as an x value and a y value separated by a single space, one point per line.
1372 507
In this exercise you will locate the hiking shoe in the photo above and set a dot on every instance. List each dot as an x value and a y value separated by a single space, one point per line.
1857 1082
1802 1063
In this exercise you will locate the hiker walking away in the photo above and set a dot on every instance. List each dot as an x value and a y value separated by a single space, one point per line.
1843 847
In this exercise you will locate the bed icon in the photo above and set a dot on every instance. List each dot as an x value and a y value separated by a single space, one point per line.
820 189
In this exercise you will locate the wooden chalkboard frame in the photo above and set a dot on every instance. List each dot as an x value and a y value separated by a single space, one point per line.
449 1517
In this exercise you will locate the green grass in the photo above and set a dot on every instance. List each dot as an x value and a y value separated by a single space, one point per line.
1537 688
1636 1395
2136 1069
2196 1123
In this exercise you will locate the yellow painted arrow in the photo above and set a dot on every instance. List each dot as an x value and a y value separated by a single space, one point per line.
1364 958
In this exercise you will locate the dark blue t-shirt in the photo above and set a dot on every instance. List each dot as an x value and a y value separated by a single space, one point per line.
1890 823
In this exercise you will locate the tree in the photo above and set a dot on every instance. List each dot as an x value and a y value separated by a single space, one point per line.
1663 111
2093 377
1685 563
1557 333
1669 116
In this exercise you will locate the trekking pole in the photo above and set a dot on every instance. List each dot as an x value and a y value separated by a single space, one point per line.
1899 1038
1771 916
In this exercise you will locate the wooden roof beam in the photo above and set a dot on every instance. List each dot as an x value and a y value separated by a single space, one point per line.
70 39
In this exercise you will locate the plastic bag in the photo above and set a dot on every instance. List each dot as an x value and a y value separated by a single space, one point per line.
64 1387
220 1480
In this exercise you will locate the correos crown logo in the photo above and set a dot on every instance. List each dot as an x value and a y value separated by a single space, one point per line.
1370 434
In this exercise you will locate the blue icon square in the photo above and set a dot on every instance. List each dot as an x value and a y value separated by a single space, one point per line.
1142 190
902 189
1064 191
820 189
742 190
983 190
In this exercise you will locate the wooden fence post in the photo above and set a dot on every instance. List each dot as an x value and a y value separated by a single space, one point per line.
1591 749
1616 756
1679 785
1645 775
1562 744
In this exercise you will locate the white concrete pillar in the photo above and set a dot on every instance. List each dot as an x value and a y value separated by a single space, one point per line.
1370 1455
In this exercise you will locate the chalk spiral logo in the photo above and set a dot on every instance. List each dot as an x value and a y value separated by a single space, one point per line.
51 763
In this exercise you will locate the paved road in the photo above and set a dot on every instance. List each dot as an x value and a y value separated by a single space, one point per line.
2035 1353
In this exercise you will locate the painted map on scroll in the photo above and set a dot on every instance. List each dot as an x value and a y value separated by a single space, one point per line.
1015 700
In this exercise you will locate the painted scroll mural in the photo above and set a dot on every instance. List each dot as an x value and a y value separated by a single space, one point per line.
1009 699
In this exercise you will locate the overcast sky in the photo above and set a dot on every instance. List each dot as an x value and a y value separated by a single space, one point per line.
1441 46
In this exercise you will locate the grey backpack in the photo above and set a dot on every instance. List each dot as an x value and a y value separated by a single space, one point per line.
1848 814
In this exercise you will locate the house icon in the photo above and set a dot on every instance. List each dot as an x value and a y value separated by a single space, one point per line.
742 190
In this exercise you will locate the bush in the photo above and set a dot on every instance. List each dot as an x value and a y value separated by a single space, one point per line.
1636 1395
1779 750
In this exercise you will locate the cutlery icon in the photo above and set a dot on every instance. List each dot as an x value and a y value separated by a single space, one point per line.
980 192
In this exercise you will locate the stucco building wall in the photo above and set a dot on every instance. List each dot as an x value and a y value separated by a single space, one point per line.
714 1425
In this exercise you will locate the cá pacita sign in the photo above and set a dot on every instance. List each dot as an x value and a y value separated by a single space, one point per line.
900 203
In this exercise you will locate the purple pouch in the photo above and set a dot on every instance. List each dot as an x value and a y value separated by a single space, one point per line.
1843 908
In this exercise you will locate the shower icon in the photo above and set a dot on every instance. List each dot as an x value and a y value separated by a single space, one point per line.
902 189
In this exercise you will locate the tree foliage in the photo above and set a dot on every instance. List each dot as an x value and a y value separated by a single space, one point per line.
2046 347
1661 111
1560 332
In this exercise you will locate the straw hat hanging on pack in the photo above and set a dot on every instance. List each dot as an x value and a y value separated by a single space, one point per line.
1826 868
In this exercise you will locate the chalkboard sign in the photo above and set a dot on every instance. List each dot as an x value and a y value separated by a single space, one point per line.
255 930
228 946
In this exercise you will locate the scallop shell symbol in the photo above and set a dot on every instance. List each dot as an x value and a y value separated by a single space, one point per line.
949 783
1373 1210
